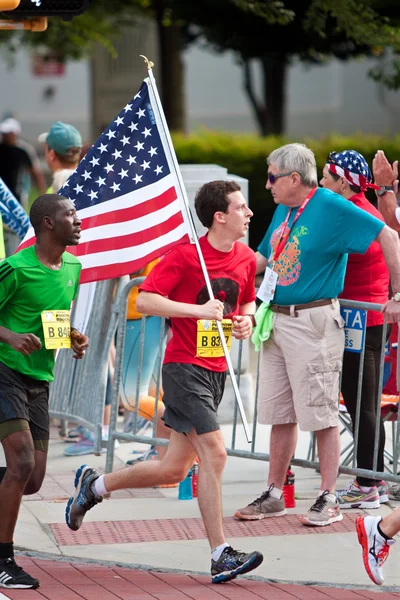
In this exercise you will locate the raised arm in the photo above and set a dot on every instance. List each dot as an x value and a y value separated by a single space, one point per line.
386 175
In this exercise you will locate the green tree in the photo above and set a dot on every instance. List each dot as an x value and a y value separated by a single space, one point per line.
314 31
271 32
104 21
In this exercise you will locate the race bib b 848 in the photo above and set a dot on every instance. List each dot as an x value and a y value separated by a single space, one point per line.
56 329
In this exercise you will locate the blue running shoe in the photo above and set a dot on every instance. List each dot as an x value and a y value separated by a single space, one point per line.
142 425
150 454
232 563
83 499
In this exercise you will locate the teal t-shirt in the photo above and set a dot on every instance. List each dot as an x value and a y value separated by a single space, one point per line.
27 288
313 263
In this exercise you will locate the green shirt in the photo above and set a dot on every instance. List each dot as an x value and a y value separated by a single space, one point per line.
27 288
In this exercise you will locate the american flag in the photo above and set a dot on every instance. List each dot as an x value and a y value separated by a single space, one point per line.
127 194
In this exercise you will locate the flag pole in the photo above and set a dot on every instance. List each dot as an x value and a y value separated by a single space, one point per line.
167 136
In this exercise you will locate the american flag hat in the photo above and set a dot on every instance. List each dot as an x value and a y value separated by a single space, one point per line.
353 167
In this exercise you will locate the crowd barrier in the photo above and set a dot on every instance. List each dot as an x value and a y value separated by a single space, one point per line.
78 392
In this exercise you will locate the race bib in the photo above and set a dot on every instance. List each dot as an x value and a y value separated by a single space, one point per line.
208 340
57 329
266 290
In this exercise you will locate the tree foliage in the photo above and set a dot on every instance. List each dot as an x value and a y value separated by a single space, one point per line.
315 31
273 32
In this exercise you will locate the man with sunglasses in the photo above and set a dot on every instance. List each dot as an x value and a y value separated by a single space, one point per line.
367 280
300 329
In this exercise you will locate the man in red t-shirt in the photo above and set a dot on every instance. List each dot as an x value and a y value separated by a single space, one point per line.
194 369
367 280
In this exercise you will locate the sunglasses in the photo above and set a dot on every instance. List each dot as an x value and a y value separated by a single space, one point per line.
331 159
272 177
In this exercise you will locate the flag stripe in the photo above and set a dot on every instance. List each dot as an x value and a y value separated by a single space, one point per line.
134 212
129 241
134 225
127 254
132 198
109 271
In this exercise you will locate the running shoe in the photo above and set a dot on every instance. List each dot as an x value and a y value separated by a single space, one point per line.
323 512
150 454
13 577
375 548
394 492
81 447
383 491
232 563
353 497
262 507
142 425
83 499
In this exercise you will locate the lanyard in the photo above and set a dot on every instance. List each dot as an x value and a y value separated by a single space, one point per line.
286 230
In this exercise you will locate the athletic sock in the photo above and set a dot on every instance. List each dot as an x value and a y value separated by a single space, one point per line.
2 473
216 552
6 550
329 496
385 537
276 493
365 489
98 488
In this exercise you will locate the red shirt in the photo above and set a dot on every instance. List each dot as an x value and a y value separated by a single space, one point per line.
367 276
179 277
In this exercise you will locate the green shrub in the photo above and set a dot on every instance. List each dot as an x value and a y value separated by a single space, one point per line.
245 155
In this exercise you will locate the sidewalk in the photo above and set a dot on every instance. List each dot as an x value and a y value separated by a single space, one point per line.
143 544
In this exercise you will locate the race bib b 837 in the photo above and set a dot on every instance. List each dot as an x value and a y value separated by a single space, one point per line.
208 341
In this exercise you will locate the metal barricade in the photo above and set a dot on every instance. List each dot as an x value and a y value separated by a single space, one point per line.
311 460
79 388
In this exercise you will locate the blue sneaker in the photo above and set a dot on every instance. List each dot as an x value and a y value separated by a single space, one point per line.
150 454
142 425
83 446
232 563
83 499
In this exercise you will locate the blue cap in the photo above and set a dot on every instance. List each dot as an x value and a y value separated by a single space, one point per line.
63 138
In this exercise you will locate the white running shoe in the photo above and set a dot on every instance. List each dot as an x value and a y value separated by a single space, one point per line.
375 547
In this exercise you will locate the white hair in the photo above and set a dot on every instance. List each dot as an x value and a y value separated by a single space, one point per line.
297 158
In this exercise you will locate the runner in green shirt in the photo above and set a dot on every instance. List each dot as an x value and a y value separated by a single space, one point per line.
37 287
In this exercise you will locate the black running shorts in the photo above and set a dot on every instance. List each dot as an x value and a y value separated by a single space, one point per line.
192 395
23 399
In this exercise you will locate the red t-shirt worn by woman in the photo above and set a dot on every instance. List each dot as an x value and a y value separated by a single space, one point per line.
367 276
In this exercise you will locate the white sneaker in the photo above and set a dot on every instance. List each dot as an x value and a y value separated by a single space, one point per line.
375 547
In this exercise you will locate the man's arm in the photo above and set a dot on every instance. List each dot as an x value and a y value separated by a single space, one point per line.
386 175
389 241
79 343
25 343
244 323
151 303
261 263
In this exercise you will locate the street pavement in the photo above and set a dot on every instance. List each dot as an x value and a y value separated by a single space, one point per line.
146 543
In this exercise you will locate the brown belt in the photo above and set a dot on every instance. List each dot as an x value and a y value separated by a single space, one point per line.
288 310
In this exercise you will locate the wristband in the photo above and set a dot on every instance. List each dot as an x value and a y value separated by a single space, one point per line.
253 319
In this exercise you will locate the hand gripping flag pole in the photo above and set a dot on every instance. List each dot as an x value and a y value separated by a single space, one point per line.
164 132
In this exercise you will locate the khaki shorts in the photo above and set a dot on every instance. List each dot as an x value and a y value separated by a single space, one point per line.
300 369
